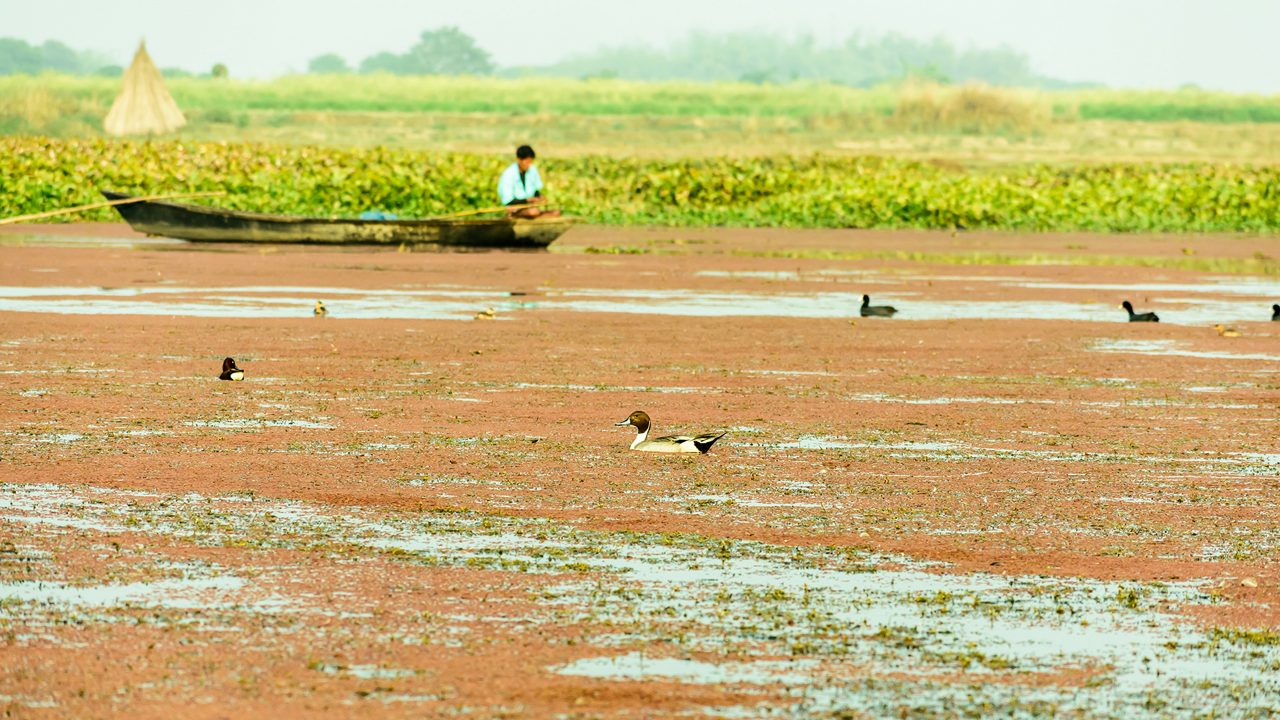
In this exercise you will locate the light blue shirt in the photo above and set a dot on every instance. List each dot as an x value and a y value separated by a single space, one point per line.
510 188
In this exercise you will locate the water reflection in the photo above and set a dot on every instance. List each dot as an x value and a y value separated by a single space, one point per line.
451 302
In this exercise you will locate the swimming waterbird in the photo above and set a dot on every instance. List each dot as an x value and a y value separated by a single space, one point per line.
1275 313
1225 331
230 371
1139 317
669 443
869 310
320 310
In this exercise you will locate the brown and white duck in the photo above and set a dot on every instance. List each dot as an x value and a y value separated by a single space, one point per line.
668 443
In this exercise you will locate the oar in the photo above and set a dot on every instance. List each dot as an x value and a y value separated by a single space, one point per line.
482 211
108 203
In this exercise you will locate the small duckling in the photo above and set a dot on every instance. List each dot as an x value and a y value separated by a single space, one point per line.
1225 331
230 371
1139 317
486 314
869 310
669 443
320 310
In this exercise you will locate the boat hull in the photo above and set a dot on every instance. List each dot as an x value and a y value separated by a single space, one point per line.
200 223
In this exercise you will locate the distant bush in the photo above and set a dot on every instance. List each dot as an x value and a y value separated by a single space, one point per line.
216 115
972 108
35 107
444 51
328 64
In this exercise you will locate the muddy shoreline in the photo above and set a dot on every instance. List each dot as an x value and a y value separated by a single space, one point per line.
1041 450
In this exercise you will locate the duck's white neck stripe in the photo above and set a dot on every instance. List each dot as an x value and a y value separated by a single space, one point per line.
640 437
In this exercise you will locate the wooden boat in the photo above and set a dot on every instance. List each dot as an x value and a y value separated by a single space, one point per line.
201 223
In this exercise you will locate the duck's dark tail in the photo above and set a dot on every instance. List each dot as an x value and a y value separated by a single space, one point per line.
704 442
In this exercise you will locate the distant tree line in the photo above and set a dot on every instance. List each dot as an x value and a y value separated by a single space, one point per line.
743 57
444 51
859 61
18 56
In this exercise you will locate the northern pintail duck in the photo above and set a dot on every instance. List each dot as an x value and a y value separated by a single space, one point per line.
320 310
1139 317
230 371
869 310
668 443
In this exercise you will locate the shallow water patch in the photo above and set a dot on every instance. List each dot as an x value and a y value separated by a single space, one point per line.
957 451
450 302
188 593
1171 348
247 424
671 390
637 666
813 620
366 672
57 438
442 303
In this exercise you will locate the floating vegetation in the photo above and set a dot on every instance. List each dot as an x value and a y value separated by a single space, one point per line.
780 191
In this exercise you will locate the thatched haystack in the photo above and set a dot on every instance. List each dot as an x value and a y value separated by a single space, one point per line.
144 106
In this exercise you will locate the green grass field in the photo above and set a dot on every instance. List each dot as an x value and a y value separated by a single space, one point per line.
968 125
387 93
801 155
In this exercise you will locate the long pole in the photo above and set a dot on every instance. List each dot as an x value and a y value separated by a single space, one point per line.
482 211
109 203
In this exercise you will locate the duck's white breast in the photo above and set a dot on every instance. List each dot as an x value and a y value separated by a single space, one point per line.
667 447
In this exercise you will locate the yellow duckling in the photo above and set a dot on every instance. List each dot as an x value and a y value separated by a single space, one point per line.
320 310
1225 331
486 314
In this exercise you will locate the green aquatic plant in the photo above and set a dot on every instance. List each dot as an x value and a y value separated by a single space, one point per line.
41 174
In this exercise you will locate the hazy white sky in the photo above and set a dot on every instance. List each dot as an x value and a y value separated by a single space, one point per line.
1226 44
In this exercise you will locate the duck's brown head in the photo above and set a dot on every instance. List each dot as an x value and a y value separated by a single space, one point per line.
639 419
229 364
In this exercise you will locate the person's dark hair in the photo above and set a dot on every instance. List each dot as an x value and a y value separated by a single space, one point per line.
524 151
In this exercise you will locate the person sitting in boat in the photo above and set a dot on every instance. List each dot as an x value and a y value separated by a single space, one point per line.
520 187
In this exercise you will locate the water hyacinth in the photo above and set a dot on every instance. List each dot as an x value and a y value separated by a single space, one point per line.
784 191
